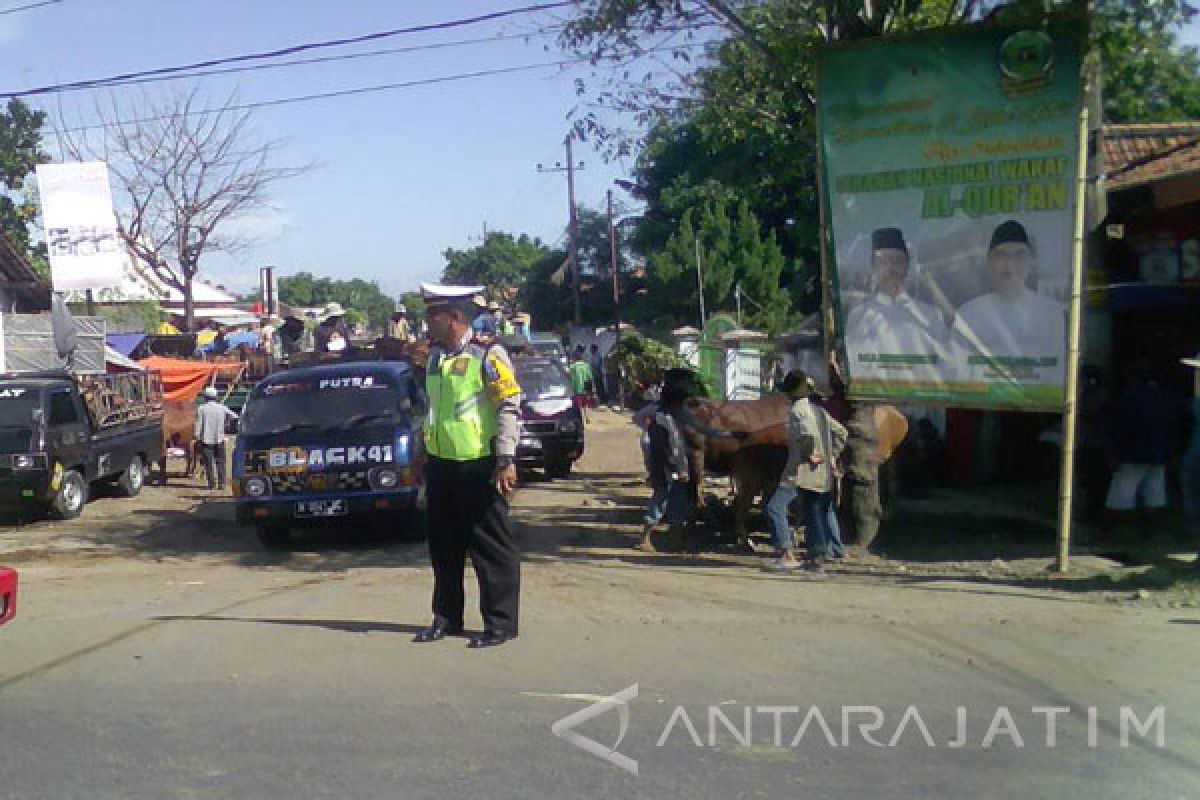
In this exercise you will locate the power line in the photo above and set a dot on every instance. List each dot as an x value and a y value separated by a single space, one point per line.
286 51
327 59
27 7
318 60
342 93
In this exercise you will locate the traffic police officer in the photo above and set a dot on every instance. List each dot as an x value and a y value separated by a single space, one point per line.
471 438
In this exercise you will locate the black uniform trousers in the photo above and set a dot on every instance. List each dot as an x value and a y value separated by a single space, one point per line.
468 516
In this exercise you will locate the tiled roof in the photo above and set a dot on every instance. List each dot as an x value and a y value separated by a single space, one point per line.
1139 154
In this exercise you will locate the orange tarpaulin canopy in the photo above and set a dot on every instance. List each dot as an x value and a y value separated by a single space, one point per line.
184 380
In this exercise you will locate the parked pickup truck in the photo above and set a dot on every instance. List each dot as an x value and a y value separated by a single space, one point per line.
60 433
326 444
551 425
8 594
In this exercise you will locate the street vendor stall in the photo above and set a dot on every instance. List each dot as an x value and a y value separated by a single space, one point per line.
184 380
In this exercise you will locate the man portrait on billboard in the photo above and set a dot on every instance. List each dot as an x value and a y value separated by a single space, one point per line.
889 322
1011 320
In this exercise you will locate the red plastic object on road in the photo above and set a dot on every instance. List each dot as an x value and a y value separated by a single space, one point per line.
8 594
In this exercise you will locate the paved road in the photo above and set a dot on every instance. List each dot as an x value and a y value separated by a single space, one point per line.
185 663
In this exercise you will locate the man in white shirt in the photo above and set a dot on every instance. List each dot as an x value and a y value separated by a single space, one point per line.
1024 330
210 433
890 335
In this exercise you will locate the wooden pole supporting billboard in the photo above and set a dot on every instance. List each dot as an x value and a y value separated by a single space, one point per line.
1074 327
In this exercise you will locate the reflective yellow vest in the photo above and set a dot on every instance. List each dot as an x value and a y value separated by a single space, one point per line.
462 421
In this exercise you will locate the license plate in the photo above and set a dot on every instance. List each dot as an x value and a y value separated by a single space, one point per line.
321 508
532 444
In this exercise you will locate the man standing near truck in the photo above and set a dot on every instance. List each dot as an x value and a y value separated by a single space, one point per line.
210 434
471 438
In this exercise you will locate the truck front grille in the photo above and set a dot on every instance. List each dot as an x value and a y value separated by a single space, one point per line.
319 482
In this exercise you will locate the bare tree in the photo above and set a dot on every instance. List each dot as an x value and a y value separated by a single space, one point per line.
184 171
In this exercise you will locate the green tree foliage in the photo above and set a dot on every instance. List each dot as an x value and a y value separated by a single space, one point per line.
733 252
414 303
1146 75
140 316
20 151
736 120
595 255
547 291
364 297
642 362
502 262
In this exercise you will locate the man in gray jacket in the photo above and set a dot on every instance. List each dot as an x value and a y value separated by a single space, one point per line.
667 463
210 433
815 442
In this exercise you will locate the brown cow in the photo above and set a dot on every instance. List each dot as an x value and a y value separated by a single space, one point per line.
755 463
179 430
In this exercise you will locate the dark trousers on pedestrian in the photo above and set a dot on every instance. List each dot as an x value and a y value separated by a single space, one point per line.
214 464
600 387
822 536
467 516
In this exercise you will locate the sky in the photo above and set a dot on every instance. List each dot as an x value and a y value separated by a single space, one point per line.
400 175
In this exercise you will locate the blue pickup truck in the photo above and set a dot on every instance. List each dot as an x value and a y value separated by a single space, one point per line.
335 443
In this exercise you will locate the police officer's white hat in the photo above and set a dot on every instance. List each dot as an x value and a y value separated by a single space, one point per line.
441 294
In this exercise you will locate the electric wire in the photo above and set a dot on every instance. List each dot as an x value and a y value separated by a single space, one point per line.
27 7
305 61
261 56
337 93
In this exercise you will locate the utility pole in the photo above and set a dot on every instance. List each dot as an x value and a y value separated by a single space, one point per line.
737 297
616 271
616 286
700 283
572 236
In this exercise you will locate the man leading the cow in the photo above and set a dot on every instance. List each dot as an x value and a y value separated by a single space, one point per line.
667 464
815 442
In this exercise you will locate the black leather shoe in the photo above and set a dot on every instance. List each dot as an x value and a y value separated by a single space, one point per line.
439 629
491 639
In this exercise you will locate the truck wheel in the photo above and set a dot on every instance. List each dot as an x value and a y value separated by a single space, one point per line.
72 494
559 468
274 537
133 478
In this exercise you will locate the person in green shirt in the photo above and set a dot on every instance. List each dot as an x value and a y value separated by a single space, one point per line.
581 382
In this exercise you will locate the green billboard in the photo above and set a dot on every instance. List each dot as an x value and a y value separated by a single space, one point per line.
950 162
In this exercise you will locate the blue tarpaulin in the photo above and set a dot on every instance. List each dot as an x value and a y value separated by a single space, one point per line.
232 340
124 343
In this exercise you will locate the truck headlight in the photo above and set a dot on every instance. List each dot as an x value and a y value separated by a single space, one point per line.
255 487
384 478
24 461
569 426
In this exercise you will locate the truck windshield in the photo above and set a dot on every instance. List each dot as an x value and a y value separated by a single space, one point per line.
285 407
543 379
16 406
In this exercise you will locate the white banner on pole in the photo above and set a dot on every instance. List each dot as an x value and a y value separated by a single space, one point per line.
81 230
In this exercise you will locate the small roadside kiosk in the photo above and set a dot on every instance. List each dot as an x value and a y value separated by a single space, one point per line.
1143 298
